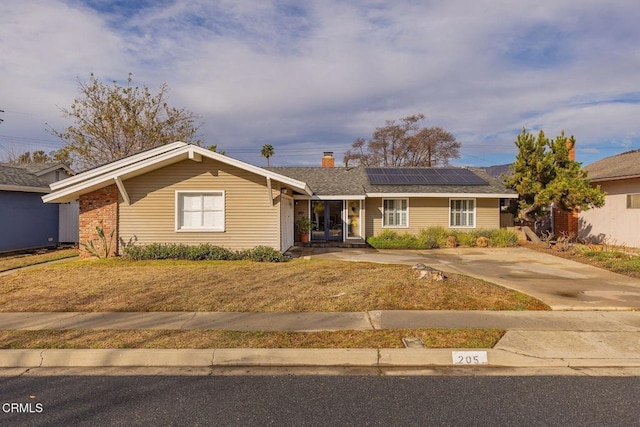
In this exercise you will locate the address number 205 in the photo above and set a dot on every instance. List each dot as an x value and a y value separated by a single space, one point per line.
469 357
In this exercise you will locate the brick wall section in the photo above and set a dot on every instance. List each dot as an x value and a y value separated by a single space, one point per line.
328 161
99 209
565 223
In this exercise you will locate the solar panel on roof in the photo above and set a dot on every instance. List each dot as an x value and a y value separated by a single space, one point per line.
423 176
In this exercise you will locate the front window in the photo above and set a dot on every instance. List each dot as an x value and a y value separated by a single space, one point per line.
462 213
200 211
633 201
395 213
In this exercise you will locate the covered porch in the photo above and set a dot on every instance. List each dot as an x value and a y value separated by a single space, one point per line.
335 221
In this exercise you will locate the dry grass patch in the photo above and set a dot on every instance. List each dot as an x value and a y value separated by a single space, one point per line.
199 339
296 286
25 260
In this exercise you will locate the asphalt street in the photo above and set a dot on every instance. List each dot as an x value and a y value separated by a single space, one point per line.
320 400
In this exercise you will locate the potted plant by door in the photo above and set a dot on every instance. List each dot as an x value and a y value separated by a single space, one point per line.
304 226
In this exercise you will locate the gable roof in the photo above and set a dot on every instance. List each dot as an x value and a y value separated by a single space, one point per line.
26 177
147 161
621 166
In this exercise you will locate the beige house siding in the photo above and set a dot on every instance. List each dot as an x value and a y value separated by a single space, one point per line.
250 220
613 222
430 212
488 212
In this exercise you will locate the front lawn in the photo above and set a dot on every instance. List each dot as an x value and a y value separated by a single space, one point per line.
245 286
618 260
24 260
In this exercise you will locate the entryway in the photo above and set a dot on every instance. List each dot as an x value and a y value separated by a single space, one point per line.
327 220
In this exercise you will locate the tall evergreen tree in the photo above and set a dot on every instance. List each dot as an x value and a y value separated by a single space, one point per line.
543 173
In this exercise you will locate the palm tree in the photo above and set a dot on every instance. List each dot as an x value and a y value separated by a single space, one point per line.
267 151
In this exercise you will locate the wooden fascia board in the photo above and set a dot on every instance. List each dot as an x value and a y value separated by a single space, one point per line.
102 170
299 185
20 188
456 195
71 193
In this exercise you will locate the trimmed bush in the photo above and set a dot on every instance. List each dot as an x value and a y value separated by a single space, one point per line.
205 251
263 254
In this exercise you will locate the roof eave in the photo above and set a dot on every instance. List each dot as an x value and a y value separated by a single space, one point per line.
92 182
109 167
454 194
24 189
613 178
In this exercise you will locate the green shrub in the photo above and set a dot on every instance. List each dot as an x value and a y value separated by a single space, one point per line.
467 238
433 237
263 254
502 238
436 237
205 251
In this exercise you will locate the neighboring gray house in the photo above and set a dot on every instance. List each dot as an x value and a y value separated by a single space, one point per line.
618 221
25 221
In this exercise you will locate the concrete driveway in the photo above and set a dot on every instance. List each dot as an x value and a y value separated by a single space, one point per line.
560 283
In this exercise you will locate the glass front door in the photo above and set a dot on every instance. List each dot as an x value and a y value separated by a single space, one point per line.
327 220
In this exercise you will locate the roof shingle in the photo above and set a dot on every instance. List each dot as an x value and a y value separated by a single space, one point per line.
21 176
354 181
624 165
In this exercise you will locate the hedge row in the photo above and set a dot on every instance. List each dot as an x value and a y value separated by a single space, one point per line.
436 237
155 251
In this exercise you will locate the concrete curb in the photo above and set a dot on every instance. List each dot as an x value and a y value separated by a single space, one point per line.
376 358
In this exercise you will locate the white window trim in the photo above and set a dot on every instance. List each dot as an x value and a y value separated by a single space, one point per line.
383 215
475 212
179 229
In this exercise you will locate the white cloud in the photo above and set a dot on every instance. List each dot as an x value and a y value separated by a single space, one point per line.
323 73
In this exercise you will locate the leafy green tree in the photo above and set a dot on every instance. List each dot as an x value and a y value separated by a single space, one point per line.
543 173
114 121
404 143
267 152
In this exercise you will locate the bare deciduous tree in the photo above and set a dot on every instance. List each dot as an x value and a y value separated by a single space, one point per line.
114 121
404 143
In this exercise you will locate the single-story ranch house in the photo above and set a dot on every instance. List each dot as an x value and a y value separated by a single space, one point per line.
618 221
182 193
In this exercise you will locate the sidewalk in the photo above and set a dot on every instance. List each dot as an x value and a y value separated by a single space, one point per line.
534 339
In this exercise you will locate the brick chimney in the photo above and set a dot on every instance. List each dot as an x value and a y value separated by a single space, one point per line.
571 146
328 161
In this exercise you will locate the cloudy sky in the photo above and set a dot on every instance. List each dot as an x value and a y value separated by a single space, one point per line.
311 76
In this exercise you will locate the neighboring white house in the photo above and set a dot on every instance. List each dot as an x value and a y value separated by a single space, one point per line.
618 221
